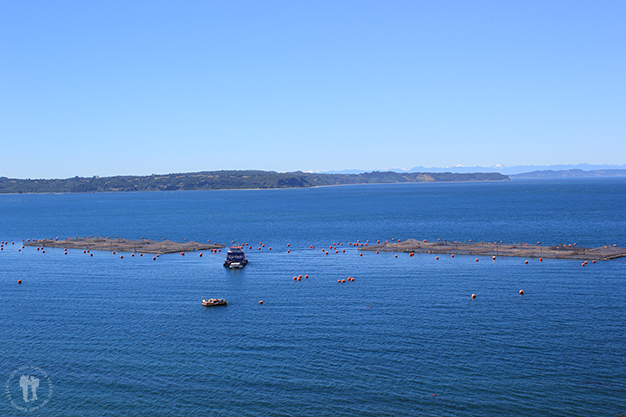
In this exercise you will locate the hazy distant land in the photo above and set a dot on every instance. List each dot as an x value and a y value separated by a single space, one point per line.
224 180
571 173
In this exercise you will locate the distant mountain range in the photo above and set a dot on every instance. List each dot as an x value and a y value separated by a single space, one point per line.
505 170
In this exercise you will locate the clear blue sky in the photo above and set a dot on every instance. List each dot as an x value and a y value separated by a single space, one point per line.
140 87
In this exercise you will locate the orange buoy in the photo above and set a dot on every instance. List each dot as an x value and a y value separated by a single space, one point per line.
593 262
343 251
360 254
473 295
343 280
476 259
121 256
91 254
395 256
113 252
154 258
19 281
493 257
200 255
376 252
288 251
540 259
132 255
299 276
452 256
270 248
306 276
295 278
338 280
182 254
261 302
525 262
521 292
437 258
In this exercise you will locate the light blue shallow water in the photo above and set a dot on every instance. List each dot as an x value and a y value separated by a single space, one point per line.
129 336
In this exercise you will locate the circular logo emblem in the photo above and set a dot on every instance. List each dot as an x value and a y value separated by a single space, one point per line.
29 388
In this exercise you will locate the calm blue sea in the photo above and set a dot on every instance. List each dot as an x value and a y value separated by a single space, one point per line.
108 336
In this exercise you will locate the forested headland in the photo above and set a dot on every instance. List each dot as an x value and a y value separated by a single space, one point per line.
226 180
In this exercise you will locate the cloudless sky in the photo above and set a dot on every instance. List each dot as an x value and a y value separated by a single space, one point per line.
140 87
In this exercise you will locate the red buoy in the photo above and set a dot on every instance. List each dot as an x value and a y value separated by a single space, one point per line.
473 295
19 281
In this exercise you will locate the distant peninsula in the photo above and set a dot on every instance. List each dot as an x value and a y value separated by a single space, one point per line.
228 180
571 173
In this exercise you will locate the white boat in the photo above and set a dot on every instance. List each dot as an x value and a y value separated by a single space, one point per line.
235 255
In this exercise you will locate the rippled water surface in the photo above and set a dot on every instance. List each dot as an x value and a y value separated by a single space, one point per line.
130 337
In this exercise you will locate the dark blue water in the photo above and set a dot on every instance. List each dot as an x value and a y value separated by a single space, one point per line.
129 336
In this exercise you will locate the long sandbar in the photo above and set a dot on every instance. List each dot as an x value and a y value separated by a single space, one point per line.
521 250
124 245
